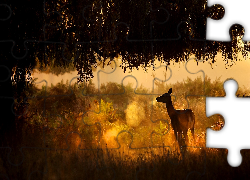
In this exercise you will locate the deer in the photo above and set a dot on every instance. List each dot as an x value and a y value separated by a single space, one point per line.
181 120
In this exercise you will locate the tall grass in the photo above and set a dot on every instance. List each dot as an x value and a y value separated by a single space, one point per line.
115 133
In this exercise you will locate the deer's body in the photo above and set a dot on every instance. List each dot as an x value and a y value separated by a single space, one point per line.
181 120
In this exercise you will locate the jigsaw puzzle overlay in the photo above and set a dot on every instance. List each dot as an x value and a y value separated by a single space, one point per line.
235 12
116 89
227 138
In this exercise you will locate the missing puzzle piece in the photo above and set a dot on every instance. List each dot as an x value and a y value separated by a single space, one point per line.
235 111
234 12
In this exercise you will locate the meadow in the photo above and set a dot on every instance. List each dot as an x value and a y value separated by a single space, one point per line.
117 132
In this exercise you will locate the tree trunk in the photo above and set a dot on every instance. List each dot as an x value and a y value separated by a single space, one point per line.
10 133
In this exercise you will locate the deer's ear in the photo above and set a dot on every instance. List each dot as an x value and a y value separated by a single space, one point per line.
170 91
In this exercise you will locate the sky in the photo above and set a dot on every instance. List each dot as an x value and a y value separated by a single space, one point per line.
176 72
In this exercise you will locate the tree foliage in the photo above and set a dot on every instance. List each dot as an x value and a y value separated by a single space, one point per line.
88 33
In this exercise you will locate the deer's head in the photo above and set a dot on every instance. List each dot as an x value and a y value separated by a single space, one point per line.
165 98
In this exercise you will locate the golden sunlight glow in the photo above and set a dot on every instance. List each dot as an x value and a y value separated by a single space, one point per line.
134 114
110 137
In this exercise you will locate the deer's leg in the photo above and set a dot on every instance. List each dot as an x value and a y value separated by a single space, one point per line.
178 139
179 136
176 135
185 135
192 131
182 140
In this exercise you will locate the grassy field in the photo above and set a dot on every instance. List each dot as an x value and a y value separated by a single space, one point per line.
81 132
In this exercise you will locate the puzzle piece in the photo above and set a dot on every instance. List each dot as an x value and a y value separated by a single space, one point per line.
56 118
21 143
181 120
28 27
91 163
227 57
225 138
130 107
136 64
89 16
32 166
93 132
234 13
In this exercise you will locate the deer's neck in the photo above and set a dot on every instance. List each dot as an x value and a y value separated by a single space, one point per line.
170 109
